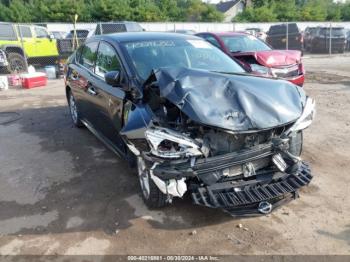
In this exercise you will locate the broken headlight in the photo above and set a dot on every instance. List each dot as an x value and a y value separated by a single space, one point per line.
167 143
260 69
306 117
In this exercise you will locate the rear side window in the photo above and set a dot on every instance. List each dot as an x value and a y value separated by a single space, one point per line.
107 60
88 55
41 32
103 29
24 31
80 34
282 29
134 27
7 32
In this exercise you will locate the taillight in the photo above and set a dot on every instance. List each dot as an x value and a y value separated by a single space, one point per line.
301 69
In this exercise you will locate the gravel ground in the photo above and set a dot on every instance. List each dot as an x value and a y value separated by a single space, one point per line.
63 192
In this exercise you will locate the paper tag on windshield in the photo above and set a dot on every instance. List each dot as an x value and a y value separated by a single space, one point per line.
199 43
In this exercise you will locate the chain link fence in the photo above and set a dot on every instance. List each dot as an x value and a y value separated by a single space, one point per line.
46 47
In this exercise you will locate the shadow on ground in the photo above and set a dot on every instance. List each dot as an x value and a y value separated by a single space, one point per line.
101 192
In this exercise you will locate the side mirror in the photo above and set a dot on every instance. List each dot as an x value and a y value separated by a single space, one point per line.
112 78
51 37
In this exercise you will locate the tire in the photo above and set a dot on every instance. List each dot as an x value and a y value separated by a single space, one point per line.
73 110
151 194
296 144
17 63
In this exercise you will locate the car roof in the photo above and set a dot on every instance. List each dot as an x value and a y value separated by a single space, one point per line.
118 22
141 36
334 27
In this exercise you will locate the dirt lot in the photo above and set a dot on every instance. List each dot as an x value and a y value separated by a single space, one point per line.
63 192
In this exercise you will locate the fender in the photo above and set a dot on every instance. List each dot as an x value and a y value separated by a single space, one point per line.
16 48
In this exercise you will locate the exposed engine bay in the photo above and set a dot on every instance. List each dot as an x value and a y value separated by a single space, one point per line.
234 145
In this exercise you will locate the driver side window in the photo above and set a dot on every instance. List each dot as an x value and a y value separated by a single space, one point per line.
107 60
41 32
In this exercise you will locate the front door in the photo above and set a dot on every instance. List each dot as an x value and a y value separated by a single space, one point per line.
108 99
83 79
45 47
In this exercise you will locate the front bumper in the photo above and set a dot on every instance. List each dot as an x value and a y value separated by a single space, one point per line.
207 166
237 194
245 198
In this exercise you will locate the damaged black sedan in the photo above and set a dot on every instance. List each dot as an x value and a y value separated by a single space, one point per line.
192 120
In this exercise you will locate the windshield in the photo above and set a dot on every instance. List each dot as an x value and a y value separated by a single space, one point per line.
335 31
244 43
188 53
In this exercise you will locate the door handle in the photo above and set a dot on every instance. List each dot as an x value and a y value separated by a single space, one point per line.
91 91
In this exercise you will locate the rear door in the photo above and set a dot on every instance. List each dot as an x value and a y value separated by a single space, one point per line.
108 99
25 33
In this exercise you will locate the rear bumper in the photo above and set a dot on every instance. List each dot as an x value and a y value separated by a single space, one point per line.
245 198
323 46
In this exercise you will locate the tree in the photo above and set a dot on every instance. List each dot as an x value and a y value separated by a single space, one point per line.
262 13
17 11
285 10
314 10
345 12
108 10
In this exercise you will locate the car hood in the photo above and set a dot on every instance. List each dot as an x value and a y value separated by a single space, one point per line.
233 102
275 58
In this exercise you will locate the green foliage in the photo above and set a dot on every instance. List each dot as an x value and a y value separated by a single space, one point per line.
107 10
295 10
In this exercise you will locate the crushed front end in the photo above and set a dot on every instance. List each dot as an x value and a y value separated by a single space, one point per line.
242 174
235 158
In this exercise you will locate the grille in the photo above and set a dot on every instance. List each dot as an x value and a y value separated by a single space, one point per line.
230 197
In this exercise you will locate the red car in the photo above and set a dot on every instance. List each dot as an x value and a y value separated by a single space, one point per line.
258 57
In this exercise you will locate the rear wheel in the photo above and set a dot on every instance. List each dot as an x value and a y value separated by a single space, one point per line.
73 109
151 194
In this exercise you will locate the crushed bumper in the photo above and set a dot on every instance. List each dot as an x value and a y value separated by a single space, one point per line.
245 198
208 166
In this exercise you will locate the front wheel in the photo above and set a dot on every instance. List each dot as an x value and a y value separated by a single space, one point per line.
17 63
151 194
